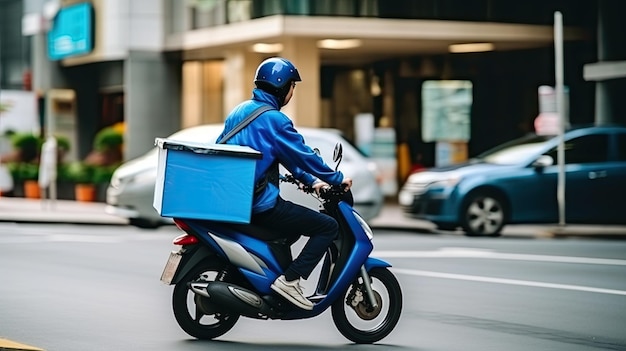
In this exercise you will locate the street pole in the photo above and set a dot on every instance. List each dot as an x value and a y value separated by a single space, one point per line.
558 55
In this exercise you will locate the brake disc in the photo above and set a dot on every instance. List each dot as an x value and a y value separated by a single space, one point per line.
365 311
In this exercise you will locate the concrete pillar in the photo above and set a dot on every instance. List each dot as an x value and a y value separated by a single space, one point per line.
191 94
603 104
239 69
153 93
611 44
46 74
603 109
305 107
202 93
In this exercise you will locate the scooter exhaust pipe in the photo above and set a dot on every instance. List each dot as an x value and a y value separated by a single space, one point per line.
232 297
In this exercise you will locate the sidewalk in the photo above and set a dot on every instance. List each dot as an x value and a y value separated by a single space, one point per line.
16 209
67 211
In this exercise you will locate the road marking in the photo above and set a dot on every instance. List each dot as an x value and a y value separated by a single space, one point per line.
6 344
78 238
454 252
476 278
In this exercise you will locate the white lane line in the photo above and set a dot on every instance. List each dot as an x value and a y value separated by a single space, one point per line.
487 254
77 238
476 278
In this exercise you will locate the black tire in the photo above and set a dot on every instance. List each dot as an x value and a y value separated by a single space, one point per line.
483 215
211 322
377 323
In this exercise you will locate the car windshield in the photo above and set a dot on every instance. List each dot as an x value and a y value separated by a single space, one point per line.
514 151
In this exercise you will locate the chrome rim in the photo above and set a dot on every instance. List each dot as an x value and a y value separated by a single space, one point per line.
485 215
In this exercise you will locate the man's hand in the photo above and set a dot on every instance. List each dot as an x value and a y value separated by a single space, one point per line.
348 183
319 185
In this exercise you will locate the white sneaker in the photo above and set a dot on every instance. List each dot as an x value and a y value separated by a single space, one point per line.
292 291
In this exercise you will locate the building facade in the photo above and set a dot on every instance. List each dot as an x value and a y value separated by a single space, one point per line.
161 65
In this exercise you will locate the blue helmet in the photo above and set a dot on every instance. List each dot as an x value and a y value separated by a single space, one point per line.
275 75
276 72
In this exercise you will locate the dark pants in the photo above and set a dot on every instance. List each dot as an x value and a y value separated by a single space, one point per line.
293 221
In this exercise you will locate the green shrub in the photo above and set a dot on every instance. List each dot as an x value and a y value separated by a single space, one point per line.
63 143
63 174
27 144
103 174
108 138
22 171
79 172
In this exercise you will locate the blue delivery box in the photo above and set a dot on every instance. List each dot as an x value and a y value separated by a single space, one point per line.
205 181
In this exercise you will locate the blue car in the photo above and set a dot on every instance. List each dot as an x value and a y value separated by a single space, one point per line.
517 182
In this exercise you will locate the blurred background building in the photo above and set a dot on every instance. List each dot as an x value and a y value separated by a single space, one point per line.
161 65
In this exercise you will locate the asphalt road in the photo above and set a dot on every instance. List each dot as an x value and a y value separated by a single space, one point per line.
81 287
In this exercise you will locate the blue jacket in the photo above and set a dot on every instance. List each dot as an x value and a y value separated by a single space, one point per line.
273 134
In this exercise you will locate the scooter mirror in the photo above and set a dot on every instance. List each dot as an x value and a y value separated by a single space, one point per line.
338 154
317 151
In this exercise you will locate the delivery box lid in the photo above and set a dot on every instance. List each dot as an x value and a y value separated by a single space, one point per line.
208 148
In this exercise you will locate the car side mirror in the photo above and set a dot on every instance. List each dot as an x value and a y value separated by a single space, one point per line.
543 161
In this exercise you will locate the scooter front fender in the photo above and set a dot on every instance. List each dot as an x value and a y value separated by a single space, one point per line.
373 262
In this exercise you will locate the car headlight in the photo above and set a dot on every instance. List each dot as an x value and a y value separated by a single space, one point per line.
419 183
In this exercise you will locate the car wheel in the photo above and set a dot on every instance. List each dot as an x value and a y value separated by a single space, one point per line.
483 215
144 223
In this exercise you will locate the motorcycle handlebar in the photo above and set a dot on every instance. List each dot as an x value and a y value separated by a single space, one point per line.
326 193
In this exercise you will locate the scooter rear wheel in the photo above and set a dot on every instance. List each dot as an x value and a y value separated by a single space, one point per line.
195 314
362 323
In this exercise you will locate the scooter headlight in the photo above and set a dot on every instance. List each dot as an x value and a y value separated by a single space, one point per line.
366 228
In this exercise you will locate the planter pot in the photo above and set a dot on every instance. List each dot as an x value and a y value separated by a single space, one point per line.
31 189
85 192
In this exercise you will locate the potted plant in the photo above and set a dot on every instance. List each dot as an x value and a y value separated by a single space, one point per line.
81 174
23 163
27 174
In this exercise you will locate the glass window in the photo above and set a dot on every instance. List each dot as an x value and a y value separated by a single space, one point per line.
207 13
335 7
262 8
585 149
514 151
239 11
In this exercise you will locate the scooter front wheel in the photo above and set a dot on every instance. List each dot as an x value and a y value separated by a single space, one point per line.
196 314
358 320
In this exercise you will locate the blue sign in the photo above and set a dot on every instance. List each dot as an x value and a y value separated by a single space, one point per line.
72 32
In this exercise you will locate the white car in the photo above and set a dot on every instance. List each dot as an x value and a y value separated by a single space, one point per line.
131 190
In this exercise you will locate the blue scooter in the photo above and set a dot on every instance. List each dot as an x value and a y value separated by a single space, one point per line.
223 271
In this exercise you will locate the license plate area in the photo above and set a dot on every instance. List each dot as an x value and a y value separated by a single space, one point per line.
171 267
